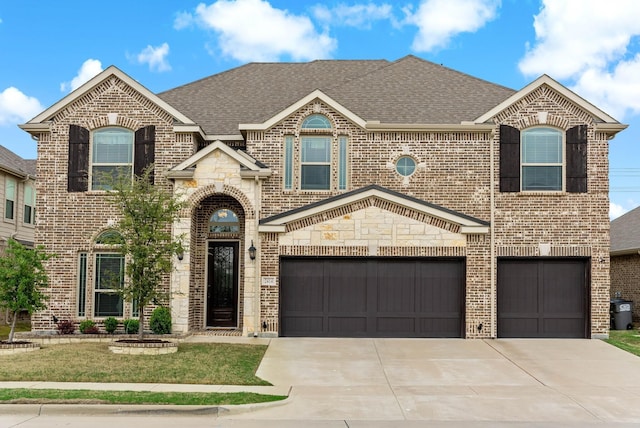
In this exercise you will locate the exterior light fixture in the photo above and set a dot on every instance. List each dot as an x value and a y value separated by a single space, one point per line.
180 254
252 251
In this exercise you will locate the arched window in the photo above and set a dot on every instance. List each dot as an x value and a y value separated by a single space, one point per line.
224 221
542 159
316 121
109 237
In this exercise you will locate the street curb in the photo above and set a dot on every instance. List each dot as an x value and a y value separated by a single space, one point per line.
133 409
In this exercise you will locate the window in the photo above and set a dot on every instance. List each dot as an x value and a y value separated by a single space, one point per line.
288 162
29 204
316 121
224 221
82 284
405 166
315 163
109 277
112 156
9 198
542 159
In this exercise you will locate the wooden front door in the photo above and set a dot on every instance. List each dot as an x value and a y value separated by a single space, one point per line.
222 284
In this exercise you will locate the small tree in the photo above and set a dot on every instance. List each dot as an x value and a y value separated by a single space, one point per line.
22 278
148 213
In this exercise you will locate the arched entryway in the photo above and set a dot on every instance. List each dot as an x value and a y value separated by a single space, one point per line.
217 271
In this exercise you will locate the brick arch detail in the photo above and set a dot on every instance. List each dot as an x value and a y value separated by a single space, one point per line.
121 121
553 120
211 190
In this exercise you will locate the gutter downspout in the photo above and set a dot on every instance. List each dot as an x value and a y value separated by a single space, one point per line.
492 255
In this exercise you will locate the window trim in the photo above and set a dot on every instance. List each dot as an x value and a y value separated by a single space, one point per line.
397 166
97 290
561 164
10 180
329 163
92 163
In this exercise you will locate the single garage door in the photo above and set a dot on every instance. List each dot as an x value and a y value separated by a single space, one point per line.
371 297
542 298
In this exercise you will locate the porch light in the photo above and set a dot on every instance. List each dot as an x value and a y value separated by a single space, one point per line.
180 254
252 251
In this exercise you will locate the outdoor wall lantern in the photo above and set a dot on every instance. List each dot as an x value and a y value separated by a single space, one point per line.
180 255
252 251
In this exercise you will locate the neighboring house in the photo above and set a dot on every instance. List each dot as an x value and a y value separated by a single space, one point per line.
625 259
17 187
341 198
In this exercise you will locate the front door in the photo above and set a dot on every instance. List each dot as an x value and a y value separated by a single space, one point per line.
222 284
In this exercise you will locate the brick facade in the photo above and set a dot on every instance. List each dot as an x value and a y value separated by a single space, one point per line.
625 280
454 171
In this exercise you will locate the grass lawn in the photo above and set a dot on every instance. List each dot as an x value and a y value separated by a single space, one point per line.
629 340
194 363
209 363
20 326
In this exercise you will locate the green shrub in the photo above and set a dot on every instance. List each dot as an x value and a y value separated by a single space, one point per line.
131 326
160 321
110 325
88 327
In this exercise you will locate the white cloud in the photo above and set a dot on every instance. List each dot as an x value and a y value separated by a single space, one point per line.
616 210
156 57
359 15
588 42
88 70
440 20
16 107
253 30
183 20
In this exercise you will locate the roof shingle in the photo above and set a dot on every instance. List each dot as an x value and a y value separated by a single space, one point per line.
625 232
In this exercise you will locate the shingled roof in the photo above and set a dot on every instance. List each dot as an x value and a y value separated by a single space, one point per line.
409 90
625 233
16 165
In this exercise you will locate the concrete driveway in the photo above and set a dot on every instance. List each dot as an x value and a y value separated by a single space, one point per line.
561 381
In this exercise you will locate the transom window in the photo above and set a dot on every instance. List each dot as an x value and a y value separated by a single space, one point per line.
112 156
316 121
405 166
224 221
542 159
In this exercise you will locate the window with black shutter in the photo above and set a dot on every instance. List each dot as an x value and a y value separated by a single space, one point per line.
577 159
144 154
78 166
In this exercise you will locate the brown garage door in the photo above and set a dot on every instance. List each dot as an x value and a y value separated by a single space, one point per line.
371 297
542 298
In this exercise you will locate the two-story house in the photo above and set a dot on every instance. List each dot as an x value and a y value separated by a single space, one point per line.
341 198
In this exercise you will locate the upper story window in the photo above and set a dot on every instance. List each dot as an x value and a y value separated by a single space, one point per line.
316 121
542 159
405 166
224 221
322 157
97 157
111 157
29 215
10 192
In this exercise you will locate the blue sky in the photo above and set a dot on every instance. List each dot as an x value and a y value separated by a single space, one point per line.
47 49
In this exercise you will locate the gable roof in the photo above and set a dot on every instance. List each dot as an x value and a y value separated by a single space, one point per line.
599 115
39 123
251 166
468 224
625 233
409 90
15 165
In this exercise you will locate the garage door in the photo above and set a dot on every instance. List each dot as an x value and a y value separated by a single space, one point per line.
371 297
542 298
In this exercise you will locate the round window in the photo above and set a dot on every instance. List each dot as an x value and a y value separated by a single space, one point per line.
405 166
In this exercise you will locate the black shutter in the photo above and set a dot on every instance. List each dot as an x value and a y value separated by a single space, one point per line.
509 159
78 167
144 153
577 159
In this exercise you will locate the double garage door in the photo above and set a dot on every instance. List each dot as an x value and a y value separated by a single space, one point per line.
392 297
372 297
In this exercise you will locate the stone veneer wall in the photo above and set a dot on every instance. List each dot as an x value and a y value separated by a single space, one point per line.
625 279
